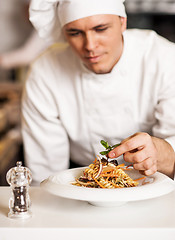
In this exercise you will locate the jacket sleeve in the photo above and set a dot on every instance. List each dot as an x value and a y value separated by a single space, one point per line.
46 145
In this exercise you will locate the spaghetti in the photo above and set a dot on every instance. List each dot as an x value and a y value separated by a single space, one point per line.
104 174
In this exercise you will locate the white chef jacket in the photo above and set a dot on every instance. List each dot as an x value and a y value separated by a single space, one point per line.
67 109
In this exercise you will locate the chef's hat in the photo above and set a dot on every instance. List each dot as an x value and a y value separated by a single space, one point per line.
49 16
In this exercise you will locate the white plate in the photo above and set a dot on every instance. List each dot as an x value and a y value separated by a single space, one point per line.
60 185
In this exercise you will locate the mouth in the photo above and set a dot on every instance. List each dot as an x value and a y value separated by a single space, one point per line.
93 59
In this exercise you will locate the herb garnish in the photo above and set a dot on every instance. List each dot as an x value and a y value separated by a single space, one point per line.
108 147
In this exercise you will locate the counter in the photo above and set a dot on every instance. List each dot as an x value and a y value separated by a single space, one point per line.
59 218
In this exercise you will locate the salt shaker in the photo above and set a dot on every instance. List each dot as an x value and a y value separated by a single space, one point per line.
19 178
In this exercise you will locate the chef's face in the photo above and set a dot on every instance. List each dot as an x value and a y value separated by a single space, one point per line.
97 40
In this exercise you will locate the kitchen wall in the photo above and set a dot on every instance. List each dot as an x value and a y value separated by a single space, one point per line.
152 14
15 28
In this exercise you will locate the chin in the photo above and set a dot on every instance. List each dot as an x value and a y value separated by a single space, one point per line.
100 72
99 69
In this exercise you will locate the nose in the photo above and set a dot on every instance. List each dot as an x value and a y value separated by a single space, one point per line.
90 42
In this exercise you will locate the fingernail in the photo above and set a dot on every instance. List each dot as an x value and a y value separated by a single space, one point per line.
112 154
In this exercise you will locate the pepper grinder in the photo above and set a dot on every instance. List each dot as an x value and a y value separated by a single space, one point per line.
19 179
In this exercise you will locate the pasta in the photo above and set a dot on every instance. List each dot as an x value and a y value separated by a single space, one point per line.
104 174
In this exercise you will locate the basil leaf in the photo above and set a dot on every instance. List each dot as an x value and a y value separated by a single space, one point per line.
105 144
104 152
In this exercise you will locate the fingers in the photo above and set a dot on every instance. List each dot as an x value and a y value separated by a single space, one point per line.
149 171
134 142
136 156
139 150
142 161
147 166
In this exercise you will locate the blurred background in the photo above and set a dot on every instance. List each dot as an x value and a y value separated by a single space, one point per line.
20 45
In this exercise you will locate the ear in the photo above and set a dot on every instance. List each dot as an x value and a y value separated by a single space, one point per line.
123 23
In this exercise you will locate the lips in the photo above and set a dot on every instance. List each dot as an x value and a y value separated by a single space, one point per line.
93 59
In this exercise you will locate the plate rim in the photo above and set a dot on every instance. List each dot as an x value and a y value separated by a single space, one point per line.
114 195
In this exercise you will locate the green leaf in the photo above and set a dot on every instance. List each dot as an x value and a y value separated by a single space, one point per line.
108 147
104 152
105 144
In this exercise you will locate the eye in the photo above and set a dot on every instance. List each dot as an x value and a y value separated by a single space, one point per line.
74 33
101 29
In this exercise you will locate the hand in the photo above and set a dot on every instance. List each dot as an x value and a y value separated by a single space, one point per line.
139 150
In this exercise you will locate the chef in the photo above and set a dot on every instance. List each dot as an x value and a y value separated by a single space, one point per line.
106 83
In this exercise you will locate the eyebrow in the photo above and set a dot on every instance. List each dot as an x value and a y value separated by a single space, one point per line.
79 30
102 25
72 30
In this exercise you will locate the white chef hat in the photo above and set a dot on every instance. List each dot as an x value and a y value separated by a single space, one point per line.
49 16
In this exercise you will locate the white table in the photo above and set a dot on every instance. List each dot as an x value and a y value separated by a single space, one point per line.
56 218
